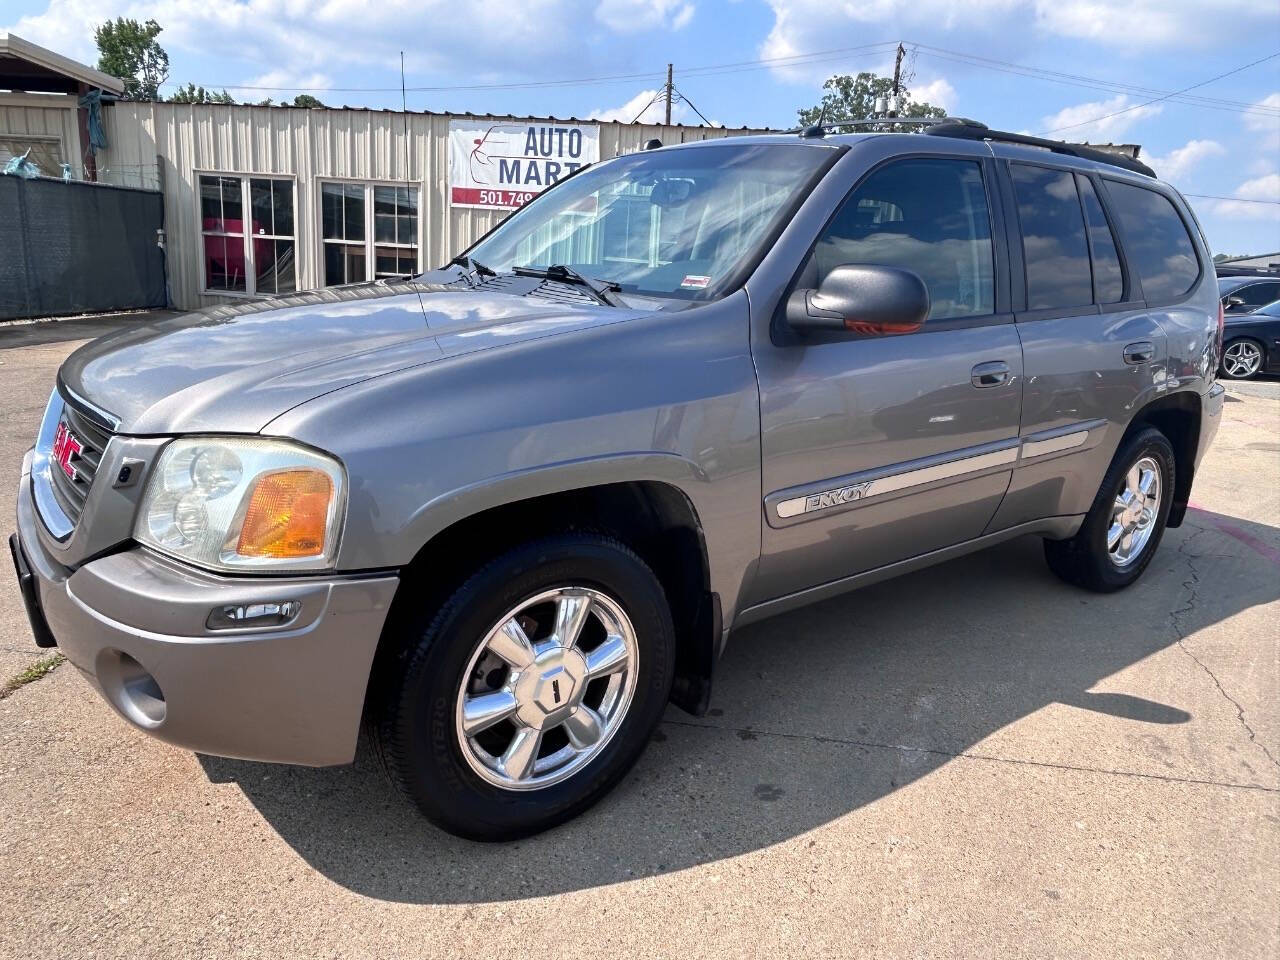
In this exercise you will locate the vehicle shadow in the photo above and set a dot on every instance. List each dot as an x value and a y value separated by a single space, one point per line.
816 714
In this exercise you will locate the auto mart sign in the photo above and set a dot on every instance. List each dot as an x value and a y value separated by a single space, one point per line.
505 165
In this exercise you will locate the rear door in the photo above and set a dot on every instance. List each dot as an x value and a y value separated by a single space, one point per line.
879 449
1092 349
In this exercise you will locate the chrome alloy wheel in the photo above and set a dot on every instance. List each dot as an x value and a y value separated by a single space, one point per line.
1133 516
1242 359
547 688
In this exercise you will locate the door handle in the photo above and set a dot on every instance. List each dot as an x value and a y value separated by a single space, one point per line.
1141 352
990 374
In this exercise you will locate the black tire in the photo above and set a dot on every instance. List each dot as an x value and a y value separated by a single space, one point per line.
413 723
1262 363
1084 559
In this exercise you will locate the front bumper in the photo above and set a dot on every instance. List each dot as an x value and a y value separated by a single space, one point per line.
134 624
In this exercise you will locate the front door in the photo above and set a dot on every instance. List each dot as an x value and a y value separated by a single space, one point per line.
882 448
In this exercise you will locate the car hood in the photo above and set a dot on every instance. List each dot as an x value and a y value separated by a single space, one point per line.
236 368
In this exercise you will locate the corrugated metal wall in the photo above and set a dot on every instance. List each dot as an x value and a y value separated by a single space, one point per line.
28 115
177 141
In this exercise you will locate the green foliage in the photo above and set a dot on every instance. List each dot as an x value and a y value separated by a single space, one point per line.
306 100
129 50
193 94
852 98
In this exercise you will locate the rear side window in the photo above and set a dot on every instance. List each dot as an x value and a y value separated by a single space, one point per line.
1156 241
1257 294
1054 246
929 216
1108 279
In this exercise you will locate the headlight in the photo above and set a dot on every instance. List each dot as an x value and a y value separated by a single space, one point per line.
231 503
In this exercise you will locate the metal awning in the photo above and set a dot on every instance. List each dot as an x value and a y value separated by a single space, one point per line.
28 67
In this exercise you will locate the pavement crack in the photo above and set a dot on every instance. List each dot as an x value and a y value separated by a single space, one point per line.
37 671
1176 617
970 755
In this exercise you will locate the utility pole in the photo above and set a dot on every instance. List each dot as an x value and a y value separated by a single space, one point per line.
669 91
897 80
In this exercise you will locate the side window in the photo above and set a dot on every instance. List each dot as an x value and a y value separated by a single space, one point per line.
1156 241
1054 246
1258 294
1108 279
925 215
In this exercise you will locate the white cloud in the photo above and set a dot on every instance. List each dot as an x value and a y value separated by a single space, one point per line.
630 16
289 81
1179 162
534 39
1266 187
1118 114
636 107
981 26
937 92
1264 123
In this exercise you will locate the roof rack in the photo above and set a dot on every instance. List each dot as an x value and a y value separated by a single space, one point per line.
962 128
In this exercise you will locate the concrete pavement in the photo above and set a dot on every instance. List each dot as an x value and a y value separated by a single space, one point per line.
974 760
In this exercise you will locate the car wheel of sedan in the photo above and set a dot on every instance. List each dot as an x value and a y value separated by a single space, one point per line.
532 690
1242 359
1124 526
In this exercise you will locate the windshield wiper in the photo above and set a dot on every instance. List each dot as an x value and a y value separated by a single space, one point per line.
602 290
472 266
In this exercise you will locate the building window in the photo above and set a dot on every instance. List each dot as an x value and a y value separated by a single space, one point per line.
45 152
247 254
365 225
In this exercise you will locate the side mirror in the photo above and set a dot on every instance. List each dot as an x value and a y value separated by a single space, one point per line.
1233 302
864 299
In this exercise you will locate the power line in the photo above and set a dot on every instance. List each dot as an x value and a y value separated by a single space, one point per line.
1214 196
1147 103
797 59
692 106
1071 79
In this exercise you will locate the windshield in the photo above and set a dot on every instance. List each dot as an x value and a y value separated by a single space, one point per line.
674 223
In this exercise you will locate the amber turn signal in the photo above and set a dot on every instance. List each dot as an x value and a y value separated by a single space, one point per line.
287 516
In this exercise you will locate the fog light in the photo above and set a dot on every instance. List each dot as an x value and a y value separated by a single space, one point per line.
131 687
248 615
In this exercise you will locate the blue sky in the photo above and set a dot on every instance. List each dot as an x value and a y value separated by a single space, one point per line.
1226 145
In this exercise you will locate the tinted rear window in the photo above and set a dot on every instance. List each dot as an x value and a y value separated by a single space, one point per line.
1053 238
1156 242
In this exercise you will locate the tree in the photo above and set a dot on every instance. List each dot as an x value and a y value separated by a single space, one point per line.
128 50
853 98
193 94
306 100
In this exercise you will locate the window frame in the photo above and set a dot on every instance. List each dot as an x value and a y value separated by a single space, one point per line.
369 242
33 140
1115 239
1044 313
1132 297
1118 230
997 205
246 206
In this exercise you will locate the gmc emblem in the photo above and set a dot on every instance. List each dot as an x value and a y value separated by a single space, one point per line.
65 446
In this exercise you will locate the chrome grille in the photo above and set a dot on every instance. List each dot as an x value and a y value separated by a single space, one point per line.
78 448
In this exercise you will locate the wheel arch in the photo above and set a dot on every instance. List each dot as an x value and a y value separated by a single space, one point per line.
654 517
1177 416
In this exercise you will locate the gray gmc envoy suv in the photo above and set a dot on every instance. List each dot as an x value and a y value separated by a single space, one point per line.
505 511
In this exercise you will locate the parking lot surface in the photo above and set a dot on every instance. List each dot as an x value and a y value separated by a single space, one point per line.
973 760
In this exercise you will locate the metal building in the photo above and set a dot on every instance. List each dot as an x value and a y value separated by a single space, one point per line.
332 195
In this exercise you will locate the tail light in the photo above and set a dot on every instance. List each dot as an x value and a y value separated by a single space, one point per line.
1222 326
